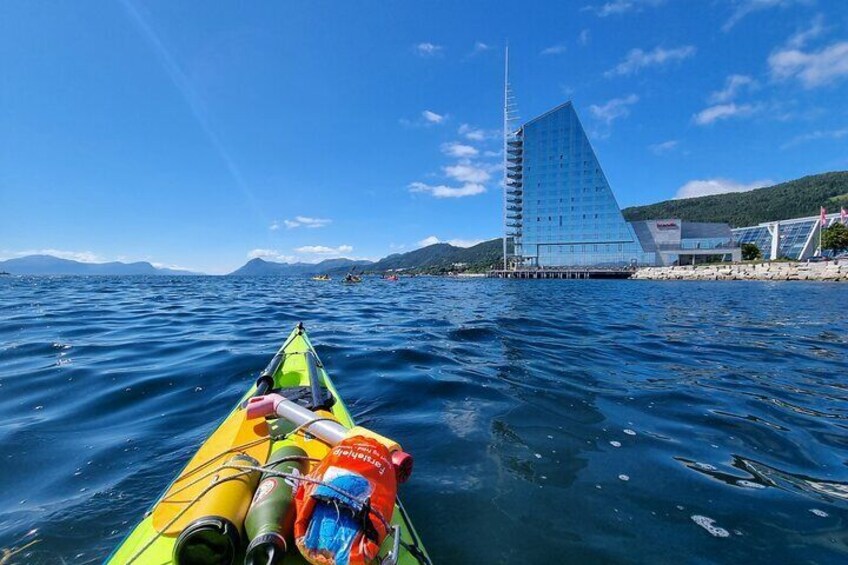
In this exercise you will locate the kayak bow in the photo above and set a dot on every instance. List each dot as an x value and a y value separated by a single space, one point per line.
294 370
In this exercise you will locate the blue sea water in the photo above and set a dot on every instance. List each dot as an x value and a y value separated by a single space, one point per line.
551 421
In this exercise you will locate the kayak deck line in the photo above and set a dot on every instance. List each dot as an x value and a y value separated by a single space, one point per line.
267 469
295 367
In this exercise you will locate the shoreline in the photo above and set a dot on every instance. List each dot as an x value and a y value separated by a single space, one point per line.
765 271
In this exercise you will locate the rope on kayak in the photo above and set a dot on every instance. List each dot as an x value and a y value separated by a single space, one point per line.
208 474
240 448
307 479
242 471
231 449
413 548
179 515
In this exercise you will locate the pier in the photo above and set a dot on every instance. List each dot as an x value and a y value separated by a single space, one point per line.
561 274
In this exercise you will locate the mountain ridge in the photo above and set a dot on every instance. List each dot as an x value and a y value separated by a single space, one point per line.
262 267
791 199
436 258
40 264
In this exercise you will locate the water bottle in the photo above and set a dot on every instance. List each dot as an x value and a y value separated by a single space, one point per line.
270 520
215 538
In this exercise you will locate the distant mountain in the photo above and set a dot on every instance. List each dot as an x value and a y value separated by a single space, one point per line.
260 267
793 199
49 265
444 257
437 258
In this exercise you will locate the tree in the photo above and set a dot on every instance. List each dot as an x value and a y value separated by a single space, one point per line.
835 238
750 252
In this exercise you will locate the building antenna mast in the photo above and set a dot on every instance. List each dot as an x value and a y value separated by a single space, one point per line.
509 183
505 139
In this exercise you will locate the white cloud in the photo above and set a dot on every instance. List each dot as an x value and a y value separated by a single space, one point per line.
638 59
427 49
815 136
583 38
467 173
664 147
732 86
803 36
81 256
472 133
558 49
480 47
261 253
722 112
306 222
169 266
746 7
324 250
305 254
270 255
695 188
812 69
432 117
618 7
444 191
432 240
465 242
613 109
427 118
459 150
274 226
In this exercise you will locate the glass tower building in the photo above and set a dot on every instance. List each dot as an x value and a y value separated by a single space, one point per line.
560 209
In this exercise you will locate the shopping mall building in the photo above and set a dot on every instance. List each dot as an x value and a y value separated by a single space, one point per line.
796 239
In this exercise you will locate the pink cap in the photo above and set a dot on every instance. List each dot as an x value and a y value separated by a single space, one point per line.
402 462
262 406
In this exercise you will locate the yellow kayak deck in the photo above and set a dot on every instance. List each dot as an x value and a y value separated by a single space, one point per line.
152 541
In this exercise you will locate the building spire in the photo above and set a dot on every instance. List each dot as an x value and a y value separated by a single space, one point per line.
512 174
505 138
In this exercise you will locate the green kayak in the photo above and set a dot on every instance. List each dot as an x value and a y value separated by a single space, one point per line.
295 367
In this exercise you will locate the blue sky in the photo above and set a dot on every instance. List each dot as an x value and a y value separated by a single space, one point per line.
202 134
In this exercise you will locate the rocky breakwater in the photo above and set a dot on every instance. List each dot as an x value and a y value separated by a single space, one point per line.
777 271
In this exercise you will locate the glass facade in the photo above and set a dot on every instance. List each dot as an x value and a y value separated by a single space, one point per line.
566 214
793 237
758 235
706 243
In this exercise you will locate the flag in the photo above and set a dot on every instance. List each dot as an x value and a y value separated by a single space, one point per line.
823 217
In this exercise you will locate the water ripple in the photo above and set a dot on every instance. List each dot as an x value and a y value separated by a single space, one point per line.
587 420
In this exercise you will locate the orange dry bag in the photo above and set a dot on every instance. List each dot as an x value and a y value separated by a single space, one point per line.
343 519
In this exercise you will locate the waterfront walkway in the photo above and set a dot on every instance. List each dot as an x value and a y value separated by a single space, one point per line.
572 273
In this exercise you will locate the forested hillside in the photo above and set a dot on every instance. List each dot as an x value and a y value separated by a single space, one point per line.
793 199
